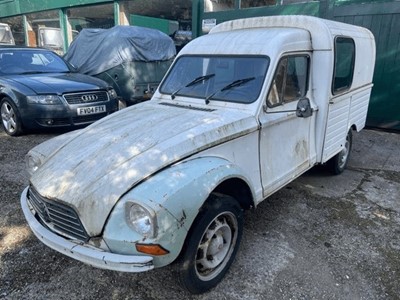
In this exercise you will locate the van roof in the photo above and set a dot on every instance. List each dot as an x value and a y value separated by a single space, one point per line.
257 41
321 30
269 35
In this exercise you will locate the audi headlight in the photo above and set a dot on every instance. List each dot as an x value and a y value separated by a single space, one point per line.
141 219
44 99
112 94
33 162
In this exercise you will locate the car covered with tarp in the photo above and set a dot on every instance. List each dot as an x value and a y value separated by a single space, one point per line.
132 59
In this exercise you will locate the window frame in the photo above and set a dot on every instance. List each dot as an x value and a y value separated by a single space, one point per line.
281 100
342 89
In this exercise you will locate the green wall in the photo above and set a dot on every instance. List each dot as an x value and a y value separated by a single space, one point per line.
383 19
311 8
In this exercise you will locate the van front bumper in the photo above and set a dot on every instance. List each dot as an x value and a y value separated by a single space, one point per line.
81 251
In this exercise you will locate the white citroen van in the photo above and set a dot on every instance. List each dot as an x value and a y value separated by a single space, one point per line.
242 112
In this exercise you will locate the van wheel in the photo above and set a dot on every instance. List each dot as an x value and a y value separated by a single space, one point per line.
338 163
9 117
211 244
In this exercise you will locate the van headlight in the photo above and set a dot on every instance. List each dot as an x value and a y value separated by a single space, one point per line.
33 162
141 219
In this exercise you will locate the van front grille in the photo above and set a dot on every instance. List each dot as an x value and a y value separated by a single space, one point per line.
58 216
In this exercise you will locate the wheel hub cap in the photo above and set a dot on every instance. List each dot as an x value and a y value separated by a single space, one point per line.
216 246
8 117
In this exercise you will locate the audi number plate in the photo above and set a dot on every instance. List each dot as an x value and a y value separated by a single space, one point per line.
91 110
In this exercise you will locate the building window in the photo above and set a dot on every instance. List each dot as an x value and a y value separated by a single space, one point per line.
16 25
283 2
344 64
218 5
95 16
172 17
256 3
44 30
180 11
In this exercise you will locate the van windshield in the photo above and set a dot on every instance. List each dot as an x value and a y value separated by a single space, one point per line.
222 78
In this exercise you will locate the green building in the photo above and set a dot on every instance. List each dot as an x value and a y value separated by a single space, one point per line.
49 22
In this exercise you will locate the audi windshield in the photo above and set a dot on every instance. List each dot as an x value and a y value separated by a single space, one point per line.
17 61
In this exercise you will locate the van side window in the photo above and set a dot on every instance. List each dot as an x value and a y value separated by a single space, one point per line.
290 81
344 64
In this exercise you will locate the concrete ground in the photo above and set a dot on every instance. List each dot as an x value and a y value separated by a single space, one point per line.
321 237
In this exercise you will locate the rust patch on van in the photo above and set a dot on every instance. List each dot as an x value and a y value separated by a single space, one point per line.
301 149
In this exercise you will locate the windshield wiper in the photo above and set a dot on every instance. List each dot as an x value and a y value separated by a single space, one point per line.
193 82
32 72
229 86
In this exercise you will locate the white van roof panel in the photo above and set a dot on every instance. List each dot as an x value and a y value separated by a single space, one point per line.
321 30
256 41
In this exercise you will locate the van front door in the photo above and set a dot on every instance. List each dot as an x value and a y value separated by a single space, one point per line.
286 146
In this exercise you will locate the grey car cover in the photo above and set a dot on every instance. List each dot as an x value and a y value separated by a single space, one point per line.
96 50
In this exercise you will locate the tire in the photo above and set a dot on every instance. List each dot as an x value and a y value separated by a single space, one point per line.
338 163
10 119
211 244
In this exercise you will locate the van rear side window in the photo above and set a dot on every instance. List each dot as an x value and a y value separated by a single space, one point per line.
344 64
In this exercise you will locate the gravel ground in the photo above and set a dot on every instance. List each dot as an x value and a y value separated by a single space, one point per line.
321 237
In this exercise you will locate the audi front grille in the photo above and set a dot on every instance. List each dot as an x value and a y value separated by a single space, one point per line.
86 97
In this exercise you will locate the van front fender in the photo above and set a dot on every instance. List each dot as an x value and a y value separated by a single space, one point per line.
183 188
175 195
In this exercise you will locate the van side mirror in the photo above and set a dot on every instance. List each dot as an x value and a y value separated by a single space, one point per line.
304 109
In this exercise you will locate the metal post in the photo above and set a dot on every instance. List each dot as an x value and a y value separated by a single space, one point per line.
64 28
26 29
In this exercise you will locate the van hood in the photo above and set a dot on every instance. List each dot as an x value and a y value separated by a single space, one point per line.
96 167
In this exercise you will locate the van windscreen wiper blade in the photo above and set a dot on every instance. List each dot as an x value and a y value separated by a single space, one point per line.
193 82
229 86
33 72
